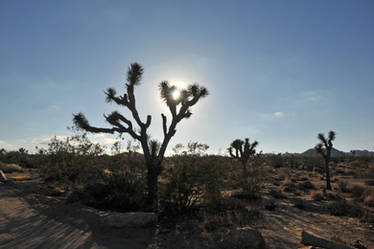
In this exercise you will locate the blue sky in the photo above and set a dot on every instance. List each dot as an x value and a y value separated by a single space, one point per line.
278 71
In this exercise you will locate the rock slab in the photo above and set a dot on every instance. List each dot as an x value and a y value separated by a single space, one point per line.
3 177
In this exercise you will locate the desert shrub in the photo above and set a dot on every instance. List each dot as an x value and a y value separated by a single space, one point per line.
252 184
230 204
289 186
120 191
317 196
277 194
72 159
345 208
299 203
311 163
183 190
344 186
370 182
20 157
270 205
332 196
305 185
276 161
338 239
357 191
191 181
284 173
369 201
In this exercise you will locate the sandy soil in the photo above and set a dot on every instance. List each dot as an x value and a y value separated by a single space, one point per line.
29 219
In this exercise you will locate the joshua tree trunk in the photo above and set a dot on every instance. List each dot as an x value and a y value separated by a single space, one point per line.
152 178
327 169
245 170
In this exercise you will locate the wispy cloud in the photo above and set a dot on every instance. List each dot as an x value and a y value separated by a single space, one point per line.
40 141
53 108
313 96
278 114
272 115
6 145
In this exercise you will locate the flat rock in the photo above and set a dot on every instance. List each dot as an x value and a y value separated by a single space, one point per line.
130 219
10 167
3 177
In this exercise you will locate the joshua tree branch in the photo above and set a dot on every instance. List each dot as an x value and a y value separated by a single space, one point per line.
164 127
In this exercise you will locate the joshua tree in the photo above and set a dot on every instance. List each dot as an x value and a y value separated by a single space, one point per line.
324 148
243 151
153 151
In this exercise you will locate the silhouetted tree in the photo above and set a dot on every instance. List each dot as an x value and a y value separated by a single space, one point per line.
178 148
196 148
324 149
242 151
152 150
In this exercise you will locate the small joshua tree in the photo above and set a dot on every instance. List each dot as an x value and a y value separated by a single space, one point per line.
242 151
153 151
324 149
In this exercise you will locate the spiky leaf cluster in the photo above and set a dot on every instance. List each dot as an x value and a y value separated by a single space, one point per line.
325 146
187 98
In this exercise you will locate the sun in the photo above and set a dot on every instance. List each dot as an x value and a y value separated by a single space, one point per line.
175 94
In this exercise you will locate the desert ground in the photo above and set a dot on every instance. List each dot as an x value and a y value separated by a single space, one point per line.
31 217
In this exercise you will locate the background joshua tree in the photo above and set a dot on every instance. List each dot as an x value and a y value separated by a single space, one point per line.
324 148
153 151
242 150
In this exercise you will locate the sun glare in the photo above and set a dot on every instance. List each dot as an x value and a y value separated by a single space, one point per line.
176 93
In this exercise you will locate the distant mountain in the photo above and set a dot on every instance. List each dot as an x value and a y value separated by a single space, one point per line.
361 153
338 153
334 153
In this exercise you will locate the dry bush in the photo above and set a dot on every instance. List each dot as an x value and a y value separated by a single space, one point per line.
284 173
345 208
120 191
289 186
338 239
357 191
275 161
369 201
252 184
317 196
277 194
370 182
270 205
299 203
192 181
307 185
344 186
